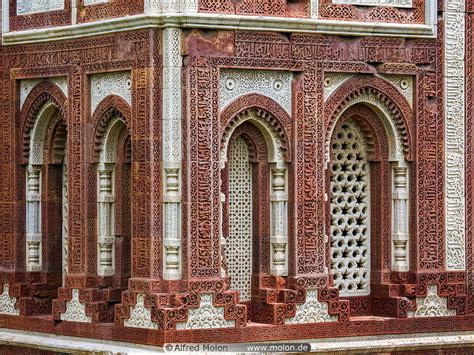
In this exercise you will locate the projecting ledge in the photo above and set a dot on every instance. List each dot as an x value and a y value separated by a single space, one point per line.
222 22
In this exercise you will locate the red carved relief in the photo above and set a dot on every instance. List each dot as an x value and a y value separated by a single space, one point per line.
110 9
282 8
36 20
330 11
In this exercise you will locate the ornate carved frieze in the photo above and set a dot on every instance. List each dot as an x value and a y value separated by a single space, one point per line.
312 311
273 84
454 134
103 85
432 305
25 7
392 3
308 47
140 316
75 310
34 259
27 85
206 316
7 303
251 7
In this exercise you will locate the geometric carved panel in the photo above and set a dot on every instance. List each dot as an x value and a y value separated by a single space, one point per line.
312 311
24 7
26 85
105 84
432 305
140 316
238 245
391 3
273 84
349 189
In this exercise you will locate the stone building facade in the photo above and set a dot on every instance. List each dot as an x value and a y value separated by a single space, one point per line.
225 171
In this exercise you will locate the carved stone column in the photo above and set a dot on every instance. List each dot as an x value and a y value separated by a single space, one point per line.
105 221
33 219
279 222
172 225
172 63
400 260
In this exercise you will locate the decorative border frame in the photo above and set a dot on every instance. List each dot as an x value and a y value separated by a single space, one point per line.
38 20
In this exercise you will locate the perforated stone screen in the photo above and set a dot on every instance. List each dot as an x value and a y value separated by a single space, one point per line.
238 247
349 190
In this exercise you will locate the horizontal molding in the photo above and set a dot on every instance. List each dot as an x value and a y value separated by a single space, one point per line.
223 22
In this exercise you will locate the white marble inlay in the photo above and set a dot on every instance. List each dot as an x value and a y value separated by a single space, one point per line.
403 83
26 7
105 84
75 310
432 305
27 85
349 232
7 303
238 244
140 316
273 84
206 316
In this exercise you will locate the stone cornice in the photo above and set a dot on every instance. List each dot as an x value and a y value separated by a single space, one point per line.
225 22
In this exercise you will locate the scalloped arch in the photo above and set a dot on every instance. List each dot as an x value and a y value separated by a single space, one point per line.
380 96
43 96
109 108
267 115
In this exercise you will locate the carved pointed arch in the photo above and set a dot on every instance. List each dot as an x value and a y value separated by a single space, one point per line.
44 102
110 115
385 101
264 113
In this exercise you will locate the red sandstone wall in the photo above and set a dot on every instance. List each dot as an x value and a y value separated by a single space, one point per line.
309 57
